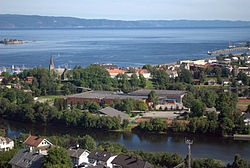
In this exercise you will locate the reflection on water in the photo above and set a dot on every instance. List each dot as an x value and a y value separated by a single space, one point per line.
203 147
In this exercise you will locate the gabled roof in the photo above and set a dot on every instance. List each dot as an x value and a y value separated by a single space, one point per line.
5 140
113 112
100 155
76 153
130 162
26 159
34 141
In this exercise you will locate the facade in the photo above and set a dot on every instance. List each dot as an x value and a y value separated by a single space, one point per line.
26 159
124 161
6 143
103 158
109 111
78 156
34 142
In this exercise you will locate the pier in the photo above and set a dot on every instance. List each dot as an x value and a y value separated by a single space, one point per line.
226 50
13 69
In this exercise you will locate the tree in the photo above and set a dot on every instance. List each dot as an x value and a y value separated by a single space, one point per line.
186 76
94 107
197 108
87 142
152 97
141 105
57 158
142 81
239 162
128 105
125 123
6 156
134 80
188 99
226 126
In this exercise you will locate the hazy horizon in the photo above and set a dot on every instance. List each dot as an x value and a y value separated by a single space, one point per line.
133 9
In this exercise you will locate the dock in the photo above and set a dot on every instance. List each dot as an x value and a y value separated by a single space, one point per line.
226 50
241 137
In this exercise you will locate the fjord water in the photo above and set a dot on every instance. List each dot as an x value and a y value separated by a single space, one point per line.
124 47
204 146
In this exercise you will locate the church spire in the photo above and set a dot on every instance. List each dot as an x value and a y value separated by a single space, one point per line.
51 65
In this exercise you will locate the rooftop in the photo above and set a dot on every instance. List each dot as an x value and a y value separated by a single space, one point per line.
113 112
100 155
33 141
5 140
130 162
26 159
76 153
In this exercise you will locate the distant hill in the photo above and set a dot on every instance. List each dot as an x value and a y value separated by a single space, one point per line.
35 21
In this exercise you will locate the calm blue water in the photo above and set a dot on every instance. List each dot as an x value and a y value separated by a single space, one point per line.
124 47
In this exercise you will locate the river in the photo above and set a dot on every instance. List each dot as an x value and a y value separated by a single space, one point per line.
203 147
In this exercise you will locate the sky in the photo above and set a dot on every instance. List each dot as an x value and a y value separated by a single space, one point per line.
132 9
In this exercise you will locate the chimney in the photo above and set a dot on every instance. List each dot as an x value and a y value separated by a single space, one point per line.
77 146
30 149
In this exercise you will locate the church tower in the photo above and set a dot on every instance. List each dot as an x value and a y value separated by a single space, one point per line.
51 65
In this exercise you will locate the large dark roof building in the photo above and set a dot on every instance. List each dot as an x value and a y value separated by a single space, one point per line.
109 96
26 159
124 161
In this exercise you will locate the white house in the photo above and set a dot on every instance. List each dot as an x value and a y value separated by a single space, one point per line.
246 118
34 142
78 156
6 143
99 157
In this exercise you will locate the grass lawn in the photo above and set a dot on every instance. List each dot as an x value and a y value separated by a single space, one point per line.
149 84
51 97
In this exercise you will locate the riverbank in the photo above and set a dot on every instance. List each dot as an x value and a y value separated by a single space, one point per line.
219 148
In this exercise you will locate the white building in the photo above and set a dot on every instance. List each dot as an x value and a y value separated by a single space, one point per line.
6 143
78 156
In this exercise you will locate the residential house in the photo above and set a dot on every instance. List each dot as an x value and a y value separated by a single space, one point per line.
78 156
114 72
171 74
245 70
146 74
109 111
26 159
29 79
124 161
211 82
246 118
34 142
247 59
197 82
103 158
6 143
226 82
